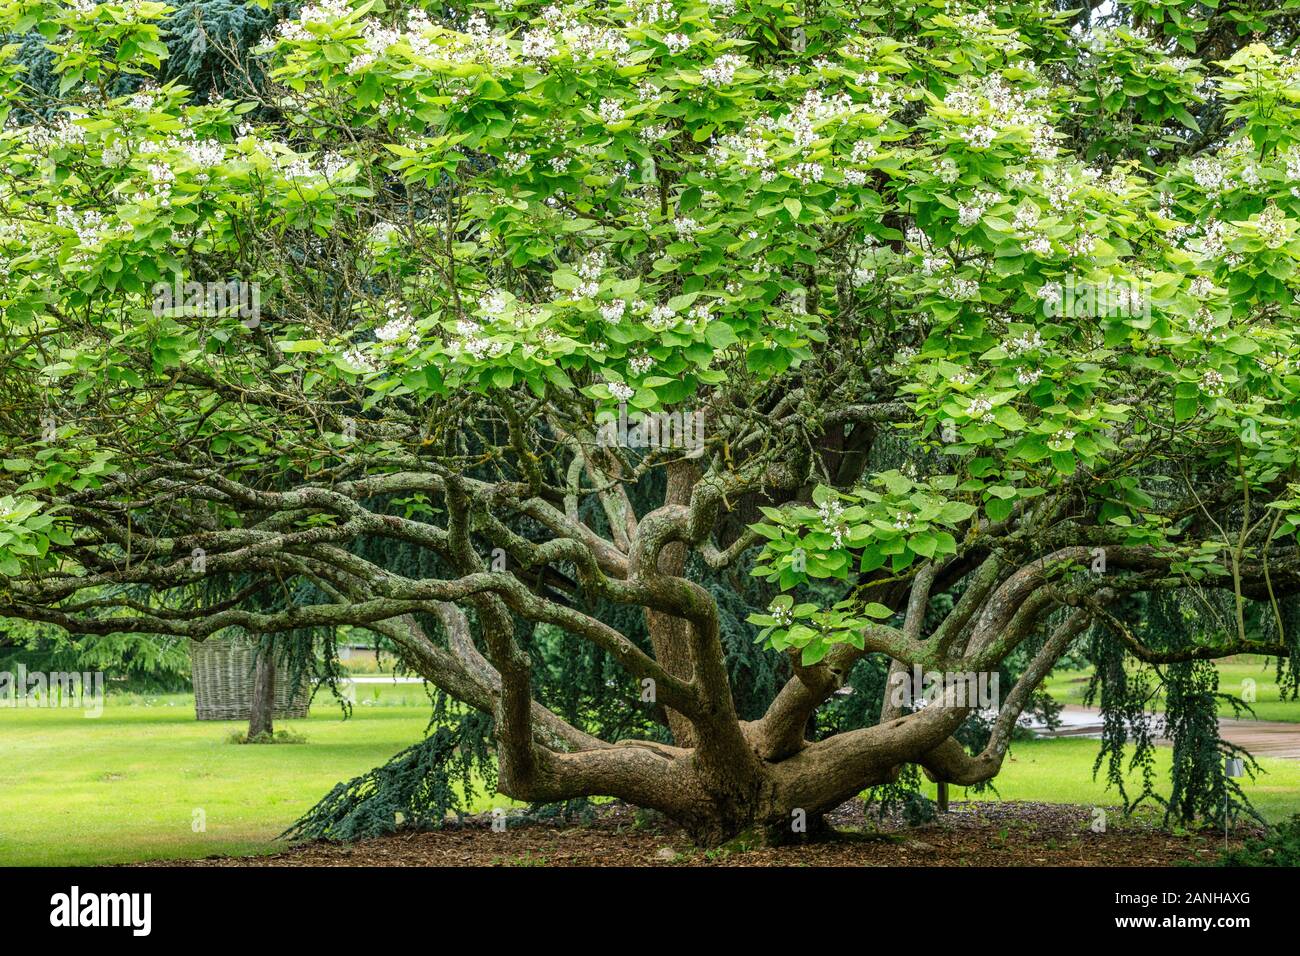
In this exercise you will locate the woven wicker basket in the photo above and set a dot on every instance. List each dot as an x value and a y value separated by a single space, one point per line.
222 669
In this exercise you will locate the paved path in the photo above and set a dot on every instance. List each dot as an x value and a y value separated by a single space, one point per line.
1263 738
380 679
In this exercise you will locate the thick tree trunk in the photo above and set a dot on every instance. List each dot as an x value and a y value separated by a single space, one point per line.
670 635
715 794
260 718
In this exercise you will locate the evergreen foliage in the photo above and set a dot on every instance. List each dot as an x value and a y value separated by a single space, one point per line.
415 789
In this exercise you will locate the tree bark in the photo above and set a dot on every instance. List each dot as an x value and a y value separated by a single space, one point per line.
669 636
260 718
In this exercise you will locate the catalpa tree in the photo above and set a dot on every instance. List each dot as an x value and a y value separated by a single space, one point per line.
957 328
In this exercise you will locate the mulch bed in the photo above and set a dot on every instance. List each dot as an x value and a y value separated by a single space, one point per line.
971 834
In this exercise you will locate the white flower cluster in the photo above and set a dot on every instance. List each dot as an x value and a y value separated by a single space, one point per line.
312 14
539 44
589 41
474 342
378 39
1081 245
206 153
1026 219
88 225
1291 159
932 264
747 149
1272 227
583 41
723 70
1202 323
143 99
357 357
808 173
1058 440
1029 341
979 136
968 214
1043 142
493 303
973 98
181 141
677 42
863 276
1127 297
1039 246
620 391
655 12
814 111
959 289
590 269
477 44
116 154
1213 243
398 326
1212 383
63 132
611 111
980 24
1066 188
980 408
882 99
996 107
661 317
161 176
832 518
831 513
1211 175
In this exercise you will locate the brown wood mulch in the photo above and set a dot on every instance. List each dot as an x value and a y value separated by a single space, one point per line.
971 834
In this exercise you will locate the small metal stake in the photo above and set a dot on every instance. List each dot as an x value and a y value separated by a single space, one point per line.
1232 767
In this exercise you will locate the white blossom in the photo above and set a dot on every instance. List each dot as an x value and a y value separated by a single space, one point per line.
677 42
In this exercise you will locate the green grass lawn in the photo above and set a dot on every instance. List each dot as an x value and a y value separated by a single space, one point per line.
1068 687
1060 771
125 786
